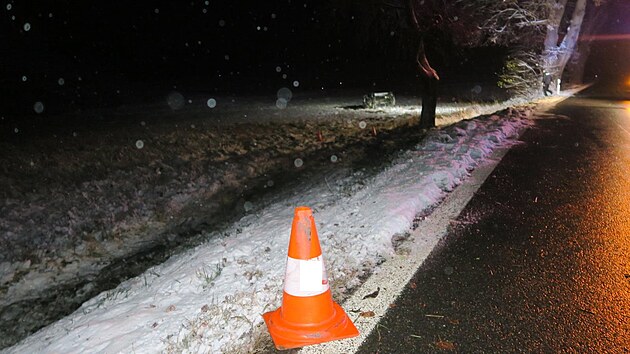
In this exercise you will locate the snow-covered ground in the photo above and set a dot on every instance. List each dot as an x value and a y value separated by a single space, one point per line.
81 203
210 298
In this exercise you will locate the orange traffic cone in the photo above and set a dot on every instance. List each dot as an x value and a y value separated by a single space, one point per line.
308 314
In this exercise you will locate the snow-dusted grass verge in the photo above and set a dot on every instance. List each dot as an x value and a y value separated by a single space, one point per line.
210 298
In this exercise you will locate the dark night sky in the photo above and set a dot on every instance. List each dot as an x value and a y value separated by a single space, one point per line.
158 41
110 53
99 48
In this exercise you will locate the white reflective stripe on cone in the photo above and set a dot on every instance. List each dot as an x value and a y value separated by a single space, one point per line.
305 277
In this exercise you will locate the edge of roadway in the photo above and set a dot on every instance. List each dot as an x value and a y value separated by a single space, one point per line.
393 275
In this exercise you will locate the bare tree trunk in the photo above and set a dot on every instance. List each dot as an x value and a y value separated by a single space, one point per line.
430 80
428 75
592 24
429 103
576 67
556 55
570 40
555 17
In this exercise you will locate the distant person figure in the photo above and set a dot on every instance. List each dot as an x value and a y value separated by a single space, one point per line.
546 83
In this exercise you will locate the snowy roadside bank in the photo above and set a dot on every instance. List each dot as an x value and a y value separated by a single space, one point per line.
77 208
210 298
80 211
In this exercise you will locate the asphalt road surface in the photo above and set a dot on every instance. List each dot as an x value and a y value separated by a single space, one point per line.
539 260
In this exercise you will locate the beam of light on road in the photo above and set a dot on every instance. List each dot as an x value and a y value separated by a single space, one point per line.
606 37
